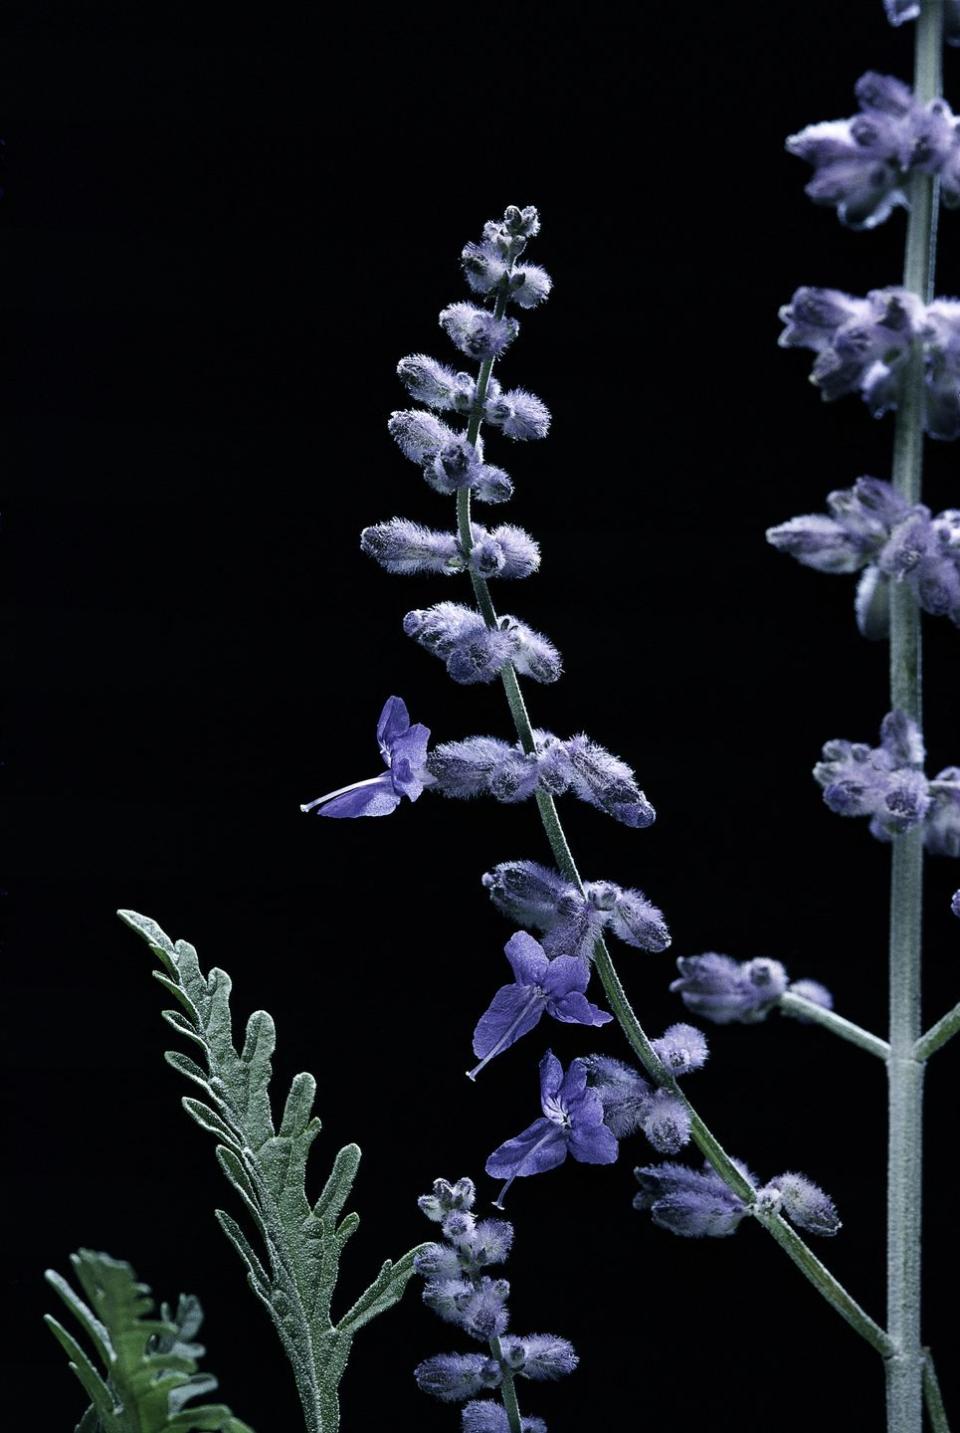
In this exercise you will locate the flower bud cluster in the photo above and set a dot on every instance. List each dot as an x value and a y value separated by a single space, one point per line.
474 652
887 784
458 1289
486 765
862 345
631 1104
405 547
871 527
862 164
532 894
697 1203
447 460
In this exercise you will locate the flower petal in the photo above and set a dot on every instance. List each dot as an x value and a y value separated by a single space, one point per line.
394 722
551 1077
527 959
565 974
377 799
593 1144
540 1147
576 1009
513 1011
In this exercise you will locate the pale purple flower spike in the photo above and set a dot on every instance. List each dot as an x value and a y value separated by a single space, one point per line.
459 1290
404 751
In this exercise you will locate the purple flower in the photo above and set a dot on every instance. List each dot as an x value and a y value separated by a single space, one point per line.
693 1203
542 985
723 990
572 1123
872 527
885 783
862 345
404 751
861 164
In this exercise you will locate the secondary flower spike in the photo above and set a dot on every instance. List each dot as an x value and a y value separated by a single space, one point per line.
572 1123
404 751
541 986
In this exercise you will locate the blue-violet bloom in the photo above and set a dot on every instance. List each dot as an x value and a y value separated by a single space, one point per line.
404 751
872 527
542 985
572 1123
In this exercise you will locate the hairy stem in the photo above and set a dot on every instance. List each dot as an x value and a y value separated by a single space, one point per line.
932 1397
711 1148
904 1368
796 1005
938 1034
507 1389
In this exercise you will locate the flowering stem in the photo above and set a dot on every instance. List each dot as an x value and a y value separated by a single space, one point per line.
792 1004
904 1072
711 1148
507 1388
938 1034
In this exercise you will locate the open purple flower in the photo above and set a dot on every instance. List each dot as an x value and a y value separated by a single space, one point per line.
572 1122
555 986
404 751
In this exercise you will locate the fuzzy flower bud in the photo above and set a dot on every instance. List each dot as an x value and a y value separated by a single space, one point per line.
884 782
805 1204
485 1416
693 1203
518 413
403 547
527 892
435 384
955 904
540 1355
476 331
666 1123
638 921
624 1093
723 990
529 285
813 991
452 1377
682 1048
447 1198
606 782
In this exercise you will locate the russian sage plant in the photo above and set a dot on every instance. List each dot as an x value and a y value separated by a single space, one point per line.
900 349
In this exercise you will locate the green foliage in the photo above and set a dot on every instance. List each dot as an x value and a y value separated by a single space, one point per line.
303 1241
150 1364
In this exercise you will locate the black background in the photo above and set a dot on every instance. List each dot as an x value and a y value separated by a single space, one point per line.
222 233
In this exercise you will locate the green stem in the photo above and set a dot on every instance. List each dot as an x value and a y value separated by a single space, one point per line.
711 1148
932 1396
801 1009
904 1072
938 1034
507 1388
